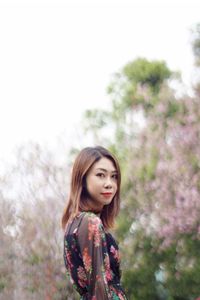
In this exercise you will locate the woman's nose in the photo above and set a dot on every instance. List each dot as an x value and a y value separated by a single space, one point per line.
108 183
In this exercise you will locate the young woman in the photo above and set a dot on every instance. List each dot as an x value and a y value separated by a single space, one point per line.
91 254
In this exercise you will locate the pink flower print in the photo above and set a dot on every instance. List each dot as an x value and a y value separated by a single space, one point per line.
108 272
87 260
82 279
94 231
68 258
98 277
116 294
115 253
120 296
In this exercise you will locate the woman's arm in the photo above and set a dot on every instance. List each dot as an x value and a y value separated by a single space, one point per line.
92 241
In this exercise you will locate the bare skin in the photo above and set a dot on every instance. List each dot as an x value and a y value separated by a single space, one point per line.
101 183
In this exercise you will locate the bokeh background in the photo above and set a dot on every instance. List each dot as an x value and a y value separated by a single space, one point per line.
122 74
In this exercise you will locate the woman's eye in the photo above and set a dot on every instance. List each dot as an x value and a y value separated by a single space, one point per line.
101 175
114 176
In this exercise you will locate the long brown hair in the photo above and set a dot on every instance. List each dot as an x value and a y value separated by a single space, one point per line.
77 200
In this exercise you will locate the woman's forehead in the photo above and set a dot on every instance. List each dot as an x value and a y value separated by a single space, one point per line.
104 164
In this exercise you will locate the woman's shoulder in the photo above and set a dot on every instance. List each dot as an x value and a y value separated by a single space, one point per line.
90 230
89 216
90 220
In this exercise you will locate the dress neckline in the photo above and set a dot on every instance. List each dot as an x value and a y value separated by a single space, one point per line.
93 212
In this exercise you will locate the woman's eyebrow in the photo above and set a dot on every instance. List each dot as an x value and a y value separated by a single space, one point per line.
102 169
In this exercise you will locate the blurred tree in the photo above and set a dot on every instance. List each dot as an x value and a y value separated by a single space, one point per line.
7 246
158 227
196 43
39 183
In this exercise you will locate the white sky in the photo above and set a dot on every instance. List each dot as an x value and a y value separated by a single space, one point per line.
57 58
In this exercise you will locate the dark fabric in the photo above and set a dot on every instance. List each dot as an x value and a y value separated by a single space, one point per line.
92 260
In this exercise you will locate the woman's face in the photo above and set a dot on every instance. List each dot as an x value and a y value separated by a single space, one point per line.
101 183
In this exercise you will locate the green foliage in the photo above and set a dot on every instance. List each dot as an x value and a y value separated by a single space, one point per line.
172 109
138 86
150 73
96 118
2 284
140 279
147 170
182 268
34 259
196 43
123 225
155 160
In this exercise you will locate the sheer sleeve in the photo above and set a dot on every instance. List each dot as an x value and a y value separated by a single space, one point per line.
92 242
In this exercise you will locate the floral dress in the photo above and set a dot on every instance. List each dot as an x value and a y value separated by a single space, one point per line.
91 257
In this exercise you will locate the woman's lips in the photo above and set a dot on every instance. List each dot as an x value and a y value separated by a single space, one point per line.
106 194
